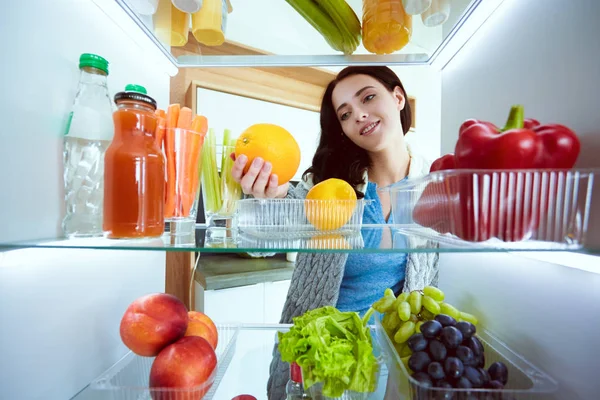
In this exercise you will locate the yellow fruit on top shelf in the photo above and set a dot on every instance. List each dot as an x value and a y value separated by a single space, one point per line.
273 144
330 204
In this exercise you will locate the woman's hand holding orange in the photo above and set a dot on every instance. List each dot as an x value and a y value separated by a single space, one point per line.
258 180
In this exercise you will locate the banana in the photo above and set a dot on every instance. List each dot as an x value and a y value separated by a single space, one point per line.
319 20
346 21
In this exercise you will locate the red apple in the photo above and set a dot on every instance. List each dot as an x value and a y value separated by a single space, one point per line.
200 324
244 397
188 364
152 322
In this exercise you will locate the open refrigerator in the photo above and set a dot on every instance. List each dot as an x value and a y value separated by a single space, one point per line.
268 35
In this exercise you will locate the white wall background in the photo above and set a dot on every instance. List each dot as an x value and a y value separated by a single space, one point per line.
543 54
60 309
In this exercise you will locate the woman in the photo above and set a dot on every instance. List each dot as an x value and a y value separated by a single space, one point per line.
364 116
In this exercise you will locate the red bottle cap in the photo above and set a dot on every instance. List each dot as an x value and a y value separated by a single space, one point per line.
295 372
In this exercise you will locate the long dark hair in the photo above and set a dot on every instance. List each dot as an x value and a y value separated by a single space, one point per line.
336 155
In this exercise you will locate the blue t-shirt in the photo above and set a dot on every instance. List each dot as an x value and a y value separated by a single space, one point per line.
367 275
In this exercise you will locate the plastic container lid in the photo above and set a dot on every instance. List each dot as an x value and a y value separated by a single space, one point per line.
93 60
135 88
136 96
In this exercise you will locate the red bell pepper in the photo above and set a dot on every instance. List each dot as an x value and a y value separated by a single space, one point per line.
467 206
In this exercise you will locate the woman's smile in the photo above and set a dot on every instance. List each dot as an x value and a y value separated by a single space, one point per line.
369 128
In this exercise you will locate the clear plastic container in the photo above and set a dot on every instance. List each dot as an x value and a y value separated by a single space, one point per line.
128 379
525 381
291 218
551 207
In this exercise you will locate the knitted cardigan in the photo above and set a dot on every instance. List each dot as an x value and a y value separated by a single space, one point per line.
317 278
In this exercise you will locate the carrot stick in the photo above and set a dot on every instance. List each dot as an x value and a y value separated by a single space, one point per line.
160 132
185 118
170 151
200 124
191 168
160 113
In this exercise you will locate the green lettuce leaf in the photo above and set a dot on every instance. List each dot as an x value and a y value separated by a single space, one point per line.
333 348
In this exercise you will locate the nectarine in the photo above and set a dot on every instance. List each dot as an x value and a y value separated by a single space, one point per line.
152 322
200 324
189 364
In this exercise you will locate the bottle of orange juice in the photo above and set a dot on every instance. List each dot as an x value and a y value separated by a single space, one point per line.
386 27
208 23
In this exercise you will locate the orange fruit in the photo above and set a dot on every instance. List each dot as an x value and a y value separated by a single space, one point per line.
330 204
273 144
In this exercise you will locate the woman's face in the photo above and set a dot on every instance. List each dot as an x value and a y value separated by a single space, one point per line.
368 112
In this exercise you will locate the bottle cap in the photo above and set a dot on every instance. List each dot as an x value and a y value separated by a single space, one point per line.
93 60
136 96
135 88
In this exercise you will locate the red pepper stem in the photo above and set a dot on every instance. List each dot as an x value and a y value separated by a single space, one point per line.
516 118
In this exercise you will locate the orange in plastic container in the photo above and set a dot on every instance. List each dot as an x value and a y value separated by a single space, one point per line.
134 168
386 27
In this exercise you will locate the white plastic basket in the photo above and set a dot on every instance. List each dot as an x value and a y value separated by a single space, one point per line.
128 379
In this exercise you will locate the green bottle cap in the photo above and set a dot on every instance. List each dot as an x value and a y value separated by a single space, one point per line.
135 88
93 60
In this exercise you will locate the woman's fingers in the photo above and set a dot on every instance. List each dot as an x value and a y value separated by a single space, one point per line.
272 187
262 180
249 178
238 168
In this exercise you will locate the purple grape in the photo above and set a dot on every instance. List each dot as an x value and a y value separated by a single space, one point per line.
453 367
451 337
465 354
437 350
445 320
430 329
466 328
474 376
423 379
498 372
417 342
436 371
419 361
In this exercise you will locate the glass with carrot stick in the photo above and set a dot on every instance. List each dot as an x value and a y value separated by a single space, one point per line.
134 170
182 142
220 192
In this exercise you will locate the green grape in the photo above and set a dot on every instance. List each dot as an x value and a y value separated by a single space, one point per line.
389 293
405 331
427 315
414 318
434 293
393 320
404 311
450 310
415 299
431 305
384 304
406 351
468 318
418 326
399 347
401 297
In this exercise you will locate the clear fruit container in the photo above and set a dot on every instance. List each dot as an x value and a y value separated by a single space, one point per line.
548 207
128 378
525 381
297 218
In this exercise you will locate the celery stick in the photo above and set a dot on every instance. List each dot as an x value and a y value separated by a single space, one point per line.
210 174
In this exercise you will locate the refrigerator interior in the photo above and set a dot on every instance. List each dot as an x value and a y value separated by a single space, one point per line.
540 53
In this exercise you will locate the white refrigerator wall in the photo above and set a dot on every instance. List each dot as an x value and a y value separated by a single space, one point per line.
543 54
60 309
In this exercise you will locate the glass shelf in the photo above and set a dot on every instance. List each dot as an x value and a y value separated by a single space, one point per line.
371 239
272 33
